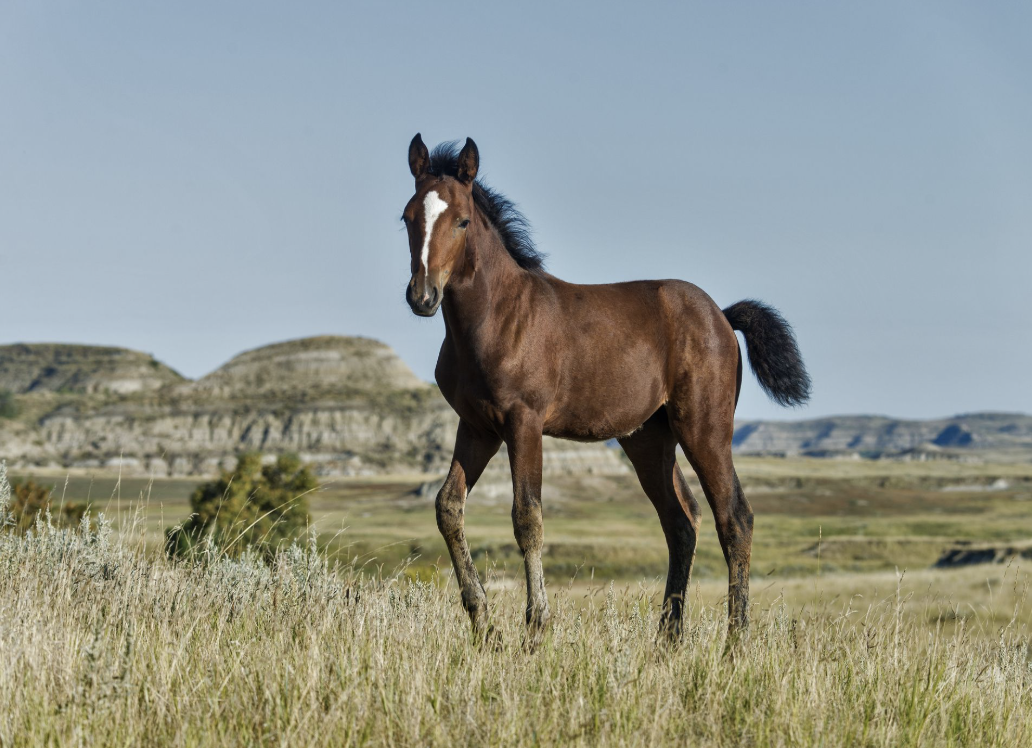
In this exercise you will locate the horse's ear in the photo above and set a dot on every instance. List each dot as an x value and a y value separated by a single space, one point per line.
469 162
418 158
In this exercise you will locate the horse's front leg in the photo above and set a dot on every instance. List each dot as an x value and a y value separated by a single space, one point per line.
472 453
523 440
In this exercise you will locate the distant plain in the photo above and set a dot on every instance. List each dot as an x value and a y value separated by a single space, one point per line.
824 528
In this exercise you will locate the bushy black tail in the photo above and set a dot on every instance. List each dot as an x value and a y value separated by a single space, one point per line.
773 351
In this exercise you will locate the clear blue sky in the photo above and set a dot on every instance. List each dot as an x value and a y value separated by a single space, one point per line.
195 179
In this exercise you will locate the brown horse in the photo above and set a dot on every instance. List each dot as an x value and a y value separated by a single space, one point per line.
653 364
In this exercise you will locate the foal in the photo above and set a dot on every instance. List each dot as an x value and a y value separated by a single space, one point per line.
653 364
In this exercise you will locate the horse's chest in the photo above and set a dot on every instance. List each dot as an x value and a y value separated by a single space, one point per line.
482 397
473 404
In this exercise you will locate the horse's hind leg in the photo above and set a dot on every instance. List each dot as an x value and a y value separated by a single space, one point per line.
472 453
705 433
652 452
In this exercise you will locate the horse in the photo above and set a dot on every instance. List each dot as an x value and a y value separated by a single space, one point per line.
653 364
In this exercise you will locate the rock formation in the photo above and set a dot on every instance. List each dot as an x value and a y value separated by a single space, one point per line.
968 554
347 405
878 436
85 369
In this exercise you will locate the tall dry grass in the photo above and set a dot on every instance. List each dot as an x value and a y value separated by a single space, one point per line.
104 643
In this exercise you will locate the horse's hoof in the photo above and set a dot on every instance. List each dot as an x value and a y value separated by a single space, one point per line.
669 635
736 640
534 639
488 637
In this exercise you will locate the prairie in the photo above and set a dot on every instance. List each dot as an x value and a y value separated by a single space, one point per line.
861 515
357 638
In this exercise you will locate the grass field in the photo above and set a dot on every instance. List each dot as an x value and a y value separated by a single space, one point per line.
826 530
105 642
865 516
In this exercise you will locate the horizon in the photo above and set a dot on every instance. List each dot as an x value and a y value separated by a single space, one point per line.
194 180
738 417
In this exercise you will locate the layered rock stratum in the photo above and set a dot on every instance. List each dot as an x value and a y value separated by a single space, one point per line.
351 406
972 435
347 405
84 369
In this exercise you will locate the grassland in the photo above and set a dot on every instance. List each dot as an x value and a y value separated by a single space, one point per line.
862 516
359 639
827 531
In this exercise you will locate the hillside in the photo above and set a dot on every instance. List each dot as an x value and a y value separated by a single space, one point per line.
975 434
351 406
321 363
85 369
347 405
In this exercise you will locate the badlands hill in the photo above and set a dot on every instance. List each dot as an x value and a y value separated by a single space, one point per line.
975 435
84 369
312 364
348 405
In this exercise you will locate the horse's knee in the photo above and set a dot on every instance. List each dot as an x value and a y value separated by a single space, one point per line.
740 521
734 516
745 519
742 509
683 528
527 525
450 505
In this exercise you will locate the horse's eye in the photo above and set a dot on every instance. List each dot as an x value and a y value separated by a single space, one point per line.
464 224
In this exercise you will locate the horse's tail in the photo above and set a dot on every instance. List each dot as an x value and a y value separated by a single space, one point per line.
773 351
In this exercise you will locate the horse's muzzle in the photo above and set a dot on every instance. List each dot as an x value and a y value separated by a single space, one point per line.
425 301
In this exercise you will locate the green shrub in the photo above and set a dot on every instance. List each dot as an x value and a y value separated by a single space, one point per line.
29 498
252 506
8 405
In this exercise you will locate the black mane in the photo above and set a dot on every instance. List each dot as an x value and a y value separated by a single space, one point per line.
511 225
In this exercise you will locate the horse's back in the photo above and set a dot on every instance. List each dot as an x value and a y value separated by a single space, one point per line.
624 348
674 316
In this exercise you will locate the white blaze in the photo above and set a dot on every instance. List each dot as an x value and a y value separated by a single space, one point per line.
433 207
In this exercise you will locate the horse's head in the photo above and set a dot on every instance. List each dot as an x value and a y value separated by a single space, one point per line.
436 218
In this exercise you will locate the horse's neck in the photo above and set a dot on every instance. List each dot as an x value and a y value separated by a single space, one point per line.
477 309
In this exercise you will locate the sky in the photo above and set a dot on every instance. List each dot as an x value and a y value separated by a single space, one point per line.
194 179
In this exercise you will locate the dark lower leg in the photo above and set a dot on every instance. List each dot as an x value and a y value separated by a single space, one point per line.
529 531
680 525
735 531
652 452
450 510
709 451
471 457
524 444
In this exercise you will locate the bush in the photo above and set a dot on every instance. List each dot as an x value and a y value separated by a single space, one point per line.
8 405
29 498
250 507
